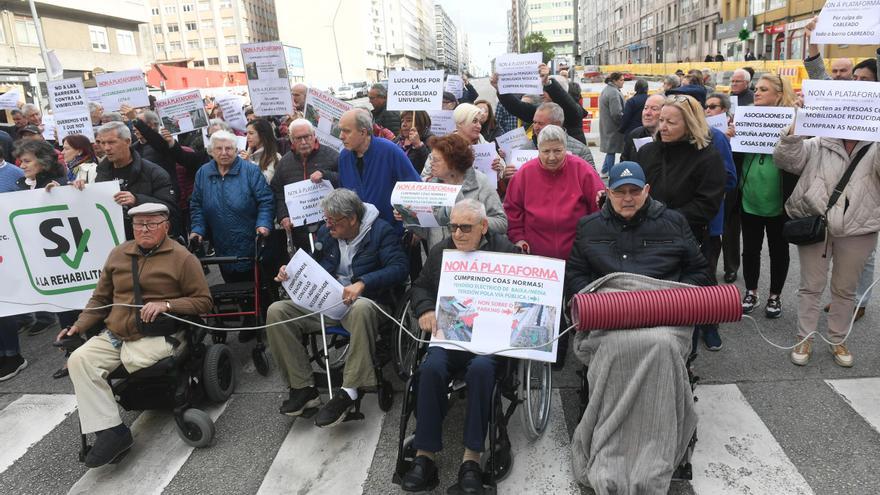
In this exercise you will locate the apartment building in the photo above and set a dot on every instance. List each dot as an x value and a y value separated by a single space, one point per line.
447 40
555 20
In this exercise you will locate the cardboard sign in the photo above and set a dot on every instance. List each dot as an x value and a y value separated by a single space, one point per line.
454 85
311 287
500 303
415 90
125 87
484 155
303 201
510 140
518 73
518 158
840 109
848 22
418 201
442 122
232 107
719 122
758 128
325 111
182 113
55 245
268 84
9 99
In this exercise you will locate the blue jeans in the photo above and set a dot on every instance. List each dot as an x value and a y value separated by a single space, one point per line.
434 375
9 336
609 162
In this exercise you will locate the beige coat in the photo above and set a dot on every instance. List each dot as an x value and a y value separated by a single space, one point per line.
820 162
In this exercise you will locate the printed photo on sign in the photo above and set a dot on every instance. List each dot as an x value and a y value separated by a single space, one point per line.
420 203
325 111
268 85
415 90
303 200
183 112
758 129
840 109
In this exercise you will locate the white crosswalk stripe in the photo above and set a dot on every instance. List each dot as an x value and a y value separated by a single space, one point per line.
28 419
863 395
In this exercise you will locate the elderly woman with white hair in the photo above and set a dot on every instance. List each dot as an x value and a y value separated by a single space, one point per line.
231 202
467 125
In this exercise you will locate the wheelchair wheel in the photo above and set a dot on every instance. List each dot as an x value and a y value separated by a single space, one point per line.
535 391
337 349
261 359
405 348
218 375
386 396
198 428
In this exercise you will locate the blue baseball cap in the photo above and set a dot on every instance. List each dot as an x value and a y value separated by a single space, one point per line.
626 173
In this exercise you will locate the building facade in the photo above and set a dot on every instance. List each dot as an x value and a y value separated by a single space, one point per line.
409 30
554 19
447 40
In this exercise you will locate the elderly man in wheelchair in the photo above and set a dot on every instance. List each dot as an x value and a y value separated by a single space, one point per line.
152 270
364 253
639 420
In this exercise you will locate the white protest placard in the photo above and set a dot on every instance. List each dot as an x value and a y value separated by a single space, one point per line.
639 142
484 155
232 107
325 111
9 99
512 139
840 109
442 122
848 22
125 87
241 143
328 140
73 123
415 90
417 201
49 127
518 158
518 73
54 246
454 85
758 128
488 302
718 122
268 84
70 107
183 112
303 201
310 286
734 102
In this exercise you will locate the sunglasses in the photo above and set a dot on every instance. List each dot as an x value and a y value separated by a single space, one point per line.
465 228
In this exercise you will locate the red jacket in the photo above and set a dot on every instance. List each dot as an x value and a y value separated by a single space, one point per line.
543 207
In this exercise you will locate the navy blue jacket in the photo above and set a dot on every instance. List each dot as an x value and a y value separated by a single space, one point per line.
632 113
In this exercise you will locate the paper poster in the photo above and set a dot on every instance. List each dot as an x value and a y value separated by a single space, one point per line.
518 73
848 22
49 128
758 128
303 201
125 87
442 122
324 111
484 155
70 108
518 158
418 201
328 140
415 90
719 122
9 99
454 85
183 112
73 123
268 84
232 107
734 102
840 109
54 245
639 142
489 302
241 143
513 139
311 287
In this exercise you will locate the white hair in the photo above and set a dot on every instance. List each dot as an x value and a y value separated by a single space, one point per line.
221 135
301 123
745 74
30 108
122 131
465 113
472 206
552 133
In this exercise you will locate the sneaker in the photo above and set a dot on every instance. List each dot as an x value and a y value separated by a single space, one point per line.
712 339
110 444
774 307
421 477
470 477
11 366
842 355
334 412
750 301
800 355
300 399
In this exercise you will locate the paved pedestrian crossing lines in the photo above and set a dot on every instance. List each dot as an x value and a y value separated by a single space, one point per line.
736 452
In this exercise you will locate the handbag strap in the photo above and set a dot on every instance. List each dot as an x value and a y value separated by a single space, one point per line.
138 298
838 189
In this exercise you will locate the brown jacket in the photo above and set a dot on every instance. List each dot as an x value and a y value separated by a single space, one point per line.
170 274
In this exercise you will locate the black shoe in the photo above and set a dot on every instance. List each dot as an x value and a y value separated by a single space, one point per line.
470 478
773 309
729 278
750 302
422 476
300 400
61 373
11 366
109 445
334 412
712 339
247 335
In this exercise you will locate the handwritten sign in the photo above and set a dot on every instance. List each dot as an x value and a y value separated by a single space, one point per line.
303 201
415 90
840 109
758 128
70 108
518 73
848 22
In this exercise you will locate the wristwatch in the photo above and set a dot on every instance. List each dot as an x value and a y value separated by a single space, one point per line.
168 305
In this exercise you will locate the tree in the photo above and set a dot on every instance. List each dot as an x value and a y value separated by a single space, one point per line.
536 42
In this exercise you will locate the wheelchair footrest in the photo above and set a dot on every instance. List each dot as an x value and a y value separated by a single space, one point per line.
354 416
456 490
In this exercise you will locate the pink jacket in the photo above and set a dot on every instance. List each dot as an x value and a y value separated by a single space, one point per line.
543 207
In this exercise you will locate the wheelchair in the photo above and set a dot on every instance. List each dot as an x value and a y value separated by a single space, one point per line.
196 373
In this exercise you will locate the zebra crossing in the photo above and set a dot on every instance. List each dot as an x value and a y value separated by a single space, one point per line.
736 452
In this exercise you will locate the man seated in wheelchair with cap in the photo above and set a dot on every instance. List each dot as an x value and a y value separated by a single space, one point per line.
170 279
469 228
640 416
364 253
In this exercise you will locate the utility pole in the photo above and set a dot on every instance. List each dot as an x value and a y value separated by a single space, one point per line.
335 41
42 42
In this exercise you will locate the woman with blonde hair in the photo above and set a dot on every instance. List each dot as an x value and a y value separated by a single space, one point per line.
467 125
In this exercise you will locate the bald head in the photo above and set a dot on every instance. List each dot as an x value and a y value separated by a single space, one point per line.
299 93
651 112
842 69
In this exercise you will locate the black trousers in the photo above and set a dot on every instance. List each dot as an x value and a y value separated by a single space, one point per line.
753 228
730 238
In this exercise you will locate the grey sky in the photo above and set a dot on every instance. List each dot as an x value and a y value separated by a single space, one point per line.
485 22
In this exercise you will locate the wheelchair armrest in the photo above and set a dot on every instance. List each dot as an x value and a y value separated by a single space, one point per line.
161 368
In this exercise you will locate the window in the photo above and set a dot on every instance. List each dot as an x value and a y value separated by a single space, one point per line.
174 45
157 29
98 35
198 63
189 7
193 44
26 32
227 22
125 43
213 61
224 4
160 47
230 40
232 59
706 32
210 42
173 28
155 11
208 24
191 26
171 9
203 7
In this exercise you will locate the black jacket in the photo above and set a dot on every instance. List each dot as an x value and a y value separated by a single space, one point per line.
164 160
388 119
745 98
292 169
43 178
424 290
574 113
656 242
190 160
629 147
686 179
632 113
469 95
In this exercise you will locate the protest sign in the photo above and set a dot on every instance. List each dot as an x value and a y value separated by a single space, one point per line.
67 124
840 109
9 100
442 122
734 102
324 111
639 142
125 87
311 287
487 302
418 201
484 155
518 158
848 22
268 85
454 85
183 112
303 201
53 246
415 90
70 108
232 107
328 140
758 128
49 128
512 139
518 73
241 143
718 122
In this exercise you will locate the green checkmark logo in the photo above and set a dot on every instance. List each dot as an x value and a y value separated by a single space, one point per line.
80 251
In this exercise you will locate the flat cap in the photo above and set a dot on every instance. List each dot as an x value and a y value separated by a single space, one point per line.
148 209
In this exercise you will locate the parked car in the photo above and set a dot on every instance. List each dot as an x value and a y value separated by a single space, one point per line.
361 88
346 93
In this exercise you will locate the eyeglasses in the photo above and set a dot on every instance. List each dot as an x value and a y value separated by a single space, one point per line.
333 220
465 228
147 226
301 138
